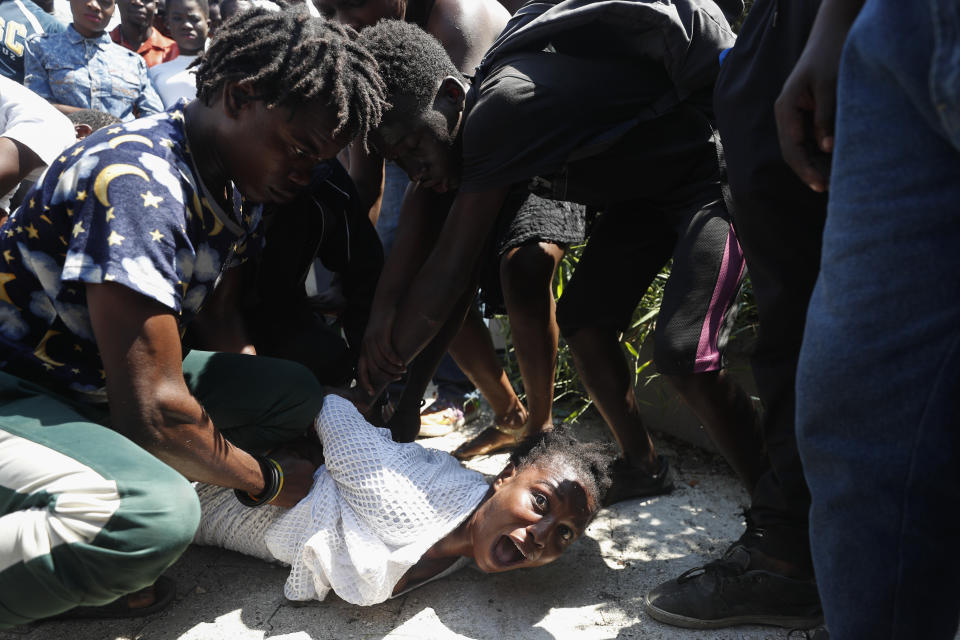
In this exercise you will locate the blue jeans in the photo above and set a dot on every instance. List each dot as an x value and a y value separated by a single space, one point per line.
878 384
394 186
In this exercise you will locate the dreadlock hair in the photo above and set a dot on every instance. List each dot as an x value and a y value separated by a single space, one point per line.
291 58
93 118
412 64
590 461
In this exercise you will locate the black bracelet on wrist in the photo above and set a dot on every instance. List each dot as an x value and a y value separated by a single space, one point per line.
272 484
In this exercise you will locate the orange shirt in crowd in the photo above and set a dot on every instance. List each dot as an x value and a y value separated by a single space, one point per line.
155 49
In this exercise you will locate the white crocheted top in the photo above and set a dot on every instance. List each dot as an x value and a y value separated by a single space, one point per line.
375 508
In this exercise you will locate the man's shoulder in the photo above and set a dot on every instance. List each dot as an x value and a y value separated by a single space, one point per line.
31 14
150 146
507 84
44 38
159 40
472 23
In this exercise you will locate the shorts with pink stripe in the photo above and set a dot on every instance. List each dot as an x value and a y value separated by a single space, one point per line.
628 247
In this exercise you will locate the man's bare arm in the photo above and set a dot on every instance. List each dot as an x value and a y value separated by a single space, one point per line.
807 106
422 216
16 161
448 271
150 403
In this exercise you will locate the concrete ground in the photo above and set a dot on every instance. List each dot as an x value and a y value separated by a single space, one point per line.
592 592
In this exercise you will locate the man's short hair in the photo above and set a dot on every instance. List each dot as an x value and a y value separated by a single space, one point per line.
203 5
93 118
412 64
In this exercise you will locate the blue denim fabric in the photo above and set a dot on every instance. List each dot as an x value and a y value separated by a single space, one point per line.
878 385
19 21
93 73
394 186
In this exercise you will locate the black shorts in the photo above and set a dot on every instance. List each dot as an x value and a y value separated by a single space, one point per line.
628 246
526 218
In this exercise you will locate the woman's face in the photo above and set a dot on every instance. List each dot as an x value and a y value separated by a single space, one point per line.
90 17
188 26
361 13
532 517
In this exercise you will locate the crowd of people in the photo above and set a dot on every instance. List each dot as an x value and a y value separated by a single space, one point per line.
170 181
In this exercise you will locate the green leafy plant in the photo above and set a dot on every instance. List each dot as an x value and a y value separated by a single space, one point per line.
570 398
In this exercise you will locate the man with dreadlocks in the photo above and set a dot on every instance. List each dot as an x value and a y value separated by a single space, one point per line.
130 233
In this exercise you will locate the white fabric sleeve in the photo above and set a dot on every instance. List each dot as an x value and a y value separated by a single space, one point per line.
33 122
226 523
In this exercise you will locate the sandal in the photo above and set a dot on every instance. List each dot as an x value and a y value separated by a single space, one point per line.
164 590
439 419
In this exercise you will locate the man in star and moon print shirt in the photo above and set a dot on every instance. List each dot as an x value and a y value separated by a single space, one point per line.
171 244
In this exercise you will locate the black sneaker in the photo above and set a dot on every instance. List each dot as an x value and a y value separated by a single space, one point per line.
632 482
726 592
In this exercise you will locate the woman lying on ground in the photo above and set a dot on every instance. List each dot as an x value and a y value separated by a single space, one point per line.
384 517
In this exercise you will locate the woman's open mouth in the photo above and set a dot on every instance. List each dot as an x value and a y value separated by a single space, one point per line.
507 552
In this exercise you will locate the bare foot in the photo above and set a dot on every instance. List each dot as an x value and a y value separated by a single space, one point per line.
509 430
488 441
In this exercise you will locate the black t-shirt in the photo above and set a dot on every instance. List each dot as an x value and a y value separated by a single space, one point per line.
586 127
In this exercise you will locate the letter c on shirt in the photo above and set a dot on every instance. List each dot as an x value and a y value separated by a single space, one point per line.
14 29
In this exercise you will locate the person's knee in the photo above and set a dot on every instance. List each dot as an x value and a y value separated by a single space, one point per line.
672 355
151 526
571 320
684 383
178 516
167 513
297 386
527 271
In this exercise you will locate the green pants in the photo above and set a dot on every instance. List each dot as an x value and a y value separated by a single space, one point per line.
86 515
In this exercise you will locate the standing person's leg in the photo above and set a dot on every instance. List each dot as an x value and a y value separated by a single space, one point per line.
695 319
473 351
532 234
878 382
86 515
625 252
257 402
527 275
779 223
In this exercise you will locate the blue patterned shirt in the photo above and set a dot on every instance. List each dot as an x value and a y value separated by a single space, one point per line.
91 73
20 19
123 205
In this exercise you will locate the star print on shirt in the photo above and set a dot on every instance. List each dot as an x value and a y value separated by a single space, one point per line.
115 238
151 200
